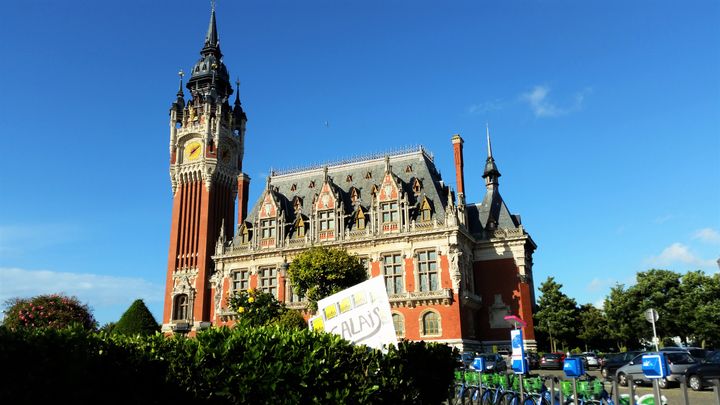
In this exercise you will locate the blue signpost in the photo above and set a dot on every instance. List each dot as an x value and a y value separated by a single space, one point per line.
655 367
517 363
573 367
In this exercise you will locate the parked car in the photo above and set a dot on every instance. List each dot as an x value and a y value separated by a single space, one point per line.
493 363
552 360
592 360
678 362
579 356
533 360
612 362
465 359
697 352
505 355
699 376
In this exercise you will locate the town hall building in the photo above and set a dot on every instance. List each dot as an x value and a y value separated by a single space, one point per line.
453 269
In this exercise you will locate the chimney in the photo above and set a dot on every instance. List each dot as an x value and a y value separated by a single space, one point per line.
243 191
457 142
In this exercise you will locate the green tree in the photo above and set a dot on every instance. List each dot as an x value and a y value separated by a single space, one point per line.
137 320
593 328
48 311
698 307
657 289
292 319
256 308
319 272
620 312
556 315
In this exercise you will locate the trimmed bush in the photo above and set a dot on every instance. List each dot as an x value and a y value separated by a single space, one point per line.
220 366
137 320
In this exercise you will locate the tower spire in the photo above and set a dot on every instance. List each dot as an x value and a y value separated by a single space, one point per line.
489 146
491 173
180 93
211 39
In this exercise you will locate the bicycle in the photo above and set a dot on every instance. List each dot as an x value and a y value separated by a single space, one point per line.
537 393
463 390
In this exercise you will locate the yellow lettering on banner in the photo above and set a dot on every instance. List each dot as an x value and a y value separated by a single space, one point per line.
330 311
345 305
359 299
318 323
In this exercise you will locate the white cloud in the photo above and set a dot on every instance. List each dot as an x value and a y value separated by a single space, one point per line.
598 284
677 253
708 235
98 290
485 107
663 219
599 304
542 107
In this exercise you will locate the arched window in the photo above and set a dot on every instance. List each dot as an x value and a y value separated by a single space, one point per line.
181 307
398 324
431 323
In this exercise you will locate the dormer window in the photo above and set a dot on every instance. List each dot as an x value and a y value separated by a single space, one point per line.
417 186
293 187
368 176
312 184
425 211
348 178
300 228
389 212
244 234
360 220
267 228
326 220
408 169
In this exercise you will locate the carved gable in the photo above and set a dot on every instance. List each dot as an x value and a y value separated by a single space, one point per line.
269 207
326 198
388 189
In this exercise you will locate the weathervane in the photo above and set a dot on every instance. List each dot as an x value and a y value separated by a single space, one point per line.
212 5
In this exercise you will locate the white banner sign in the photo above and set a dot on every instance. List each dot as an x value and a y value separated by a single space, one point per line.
360 314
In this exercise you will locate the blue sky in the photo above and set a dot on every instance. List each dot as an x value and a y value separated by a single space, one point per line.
605 118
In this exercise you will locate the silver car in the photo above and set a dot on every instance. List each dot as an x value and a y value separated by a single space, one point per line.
678 362
592 359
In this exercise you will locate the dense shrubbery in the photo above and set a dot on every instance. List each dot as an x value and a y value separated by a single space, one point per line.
260 365
47 311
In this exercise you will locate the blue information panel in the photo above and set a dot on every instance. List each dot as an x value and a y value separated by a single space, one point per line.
479 364
573 367
654 365
518 365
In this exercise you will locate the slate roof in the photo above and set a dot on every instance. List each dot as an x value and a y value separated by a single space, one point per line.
406 167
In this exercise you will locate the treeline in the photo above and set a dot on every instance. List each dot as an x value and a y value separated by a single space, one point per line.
688 306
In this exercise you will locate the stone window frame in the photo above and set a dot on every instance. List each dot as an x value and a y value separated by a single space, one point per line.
392 209
290 295
326 218
272 278
421 321
360 220
267 228
181 310
400 320
395 275
243 280
419 267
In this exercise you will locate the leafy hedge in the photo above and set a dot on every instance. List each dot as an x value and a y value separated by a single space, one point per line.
260 365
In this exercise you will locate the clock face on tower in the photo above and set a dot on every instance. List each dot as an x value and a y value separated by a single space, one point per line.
193 150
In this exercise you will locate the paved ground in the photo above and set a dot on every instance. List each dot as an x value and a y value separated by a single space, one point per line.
673 395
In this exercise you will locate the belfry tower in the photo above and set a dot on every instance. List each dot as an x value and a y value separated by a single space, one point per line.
206 152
